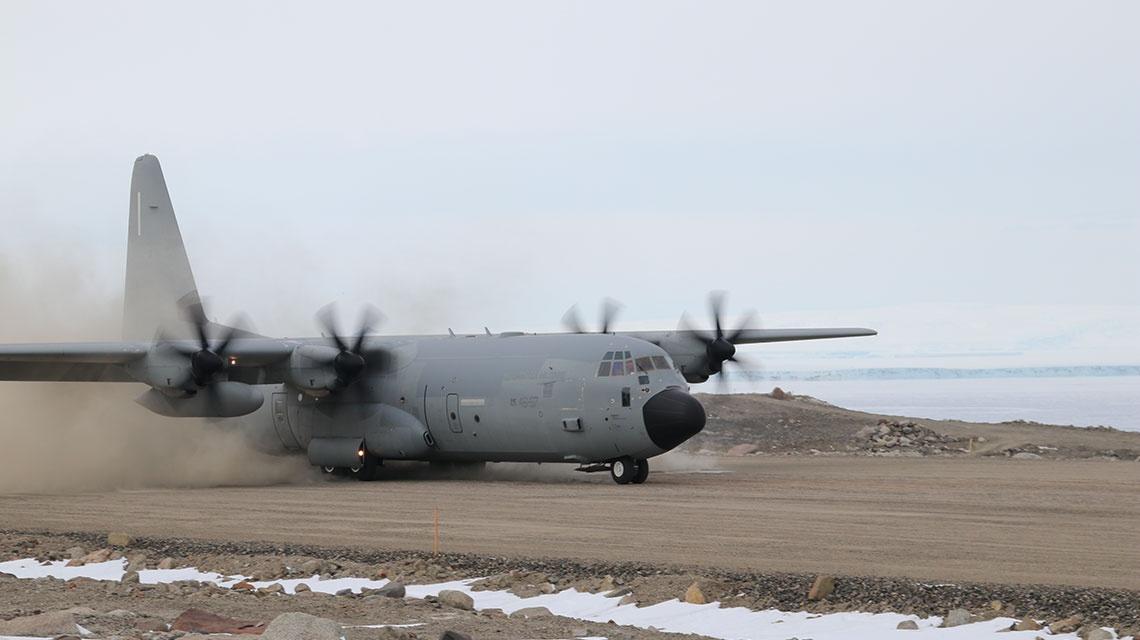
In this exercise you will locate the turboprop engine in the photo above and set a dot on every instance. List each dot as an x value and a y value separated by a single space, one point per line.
219 400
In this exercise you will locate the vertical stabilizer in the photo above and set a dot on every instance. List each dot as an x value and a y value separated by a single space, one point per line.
159 280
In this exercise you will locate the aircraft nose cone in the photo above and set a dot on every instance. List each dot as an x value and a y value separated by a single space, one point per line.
672 417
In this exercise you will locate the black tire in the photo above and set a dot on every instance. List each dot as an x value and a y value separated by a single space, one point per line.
642 472
368 470
623 470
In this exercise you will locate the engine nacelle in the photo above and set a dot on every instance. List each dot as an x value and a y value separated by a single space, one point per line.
220 400
311 369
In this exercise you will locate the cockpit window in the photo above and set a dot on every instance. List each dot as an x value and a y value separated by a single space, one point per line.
609 356
660 362
618 369
604 369
645 364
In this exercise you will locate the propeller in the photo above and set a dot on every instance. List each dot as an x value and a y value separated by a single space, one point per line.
349 362
573 322
720 347
210 357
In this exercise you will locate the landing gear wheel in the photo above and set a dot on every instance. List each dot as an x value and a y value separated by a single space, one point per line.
367 470
642 471
623 470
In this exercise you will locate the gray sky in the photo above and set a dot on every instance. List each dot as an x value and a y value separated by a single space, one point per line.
463 164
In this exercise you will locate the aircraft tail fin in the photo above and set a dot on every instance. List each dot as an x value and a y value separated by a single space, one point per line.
159 281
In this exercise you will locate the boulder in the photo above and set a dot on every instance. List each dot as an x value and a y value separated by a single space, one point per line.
301 588
1026 624
243 586
779 394
452 634
957 618
1067 625
272 588
630 599
119 539
457 599
391 590
821 588
166 563
75 553
531 612
199 621
49 623
100 555
694 595
310 567
908 625
302 626
1096 633
619 592
1025 455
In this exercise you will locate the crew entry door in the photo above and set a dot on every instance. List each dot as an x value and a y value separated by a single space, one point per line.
453 413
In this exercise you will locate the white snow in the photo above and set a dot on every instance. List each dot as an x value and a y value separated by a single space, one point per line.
728 623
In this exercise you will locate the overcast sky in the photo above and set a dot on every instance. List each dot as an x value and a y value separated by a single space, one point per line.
469 164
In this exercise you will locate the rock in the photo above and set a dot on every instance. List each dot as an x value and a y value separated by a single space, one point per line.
1026 624
779 394
693 595
50 623
578 632
957 618
391 590
908 625
243 586
452 634
301 588
75 553
166 563
457 599
119 539
1096 633
1067 625
344 592
627 600
131 577
101 555
272 588
302 626
531 612
310 567
1025 455
821 588
619 592
199 621
742 449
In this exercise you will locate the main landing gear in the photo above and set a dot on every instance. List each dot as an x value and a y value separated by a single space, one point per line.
367 470
626 470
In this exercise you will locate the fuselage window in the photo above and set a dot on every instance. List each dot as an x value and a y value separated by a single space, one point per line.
645 364
618 369
604 370
660 362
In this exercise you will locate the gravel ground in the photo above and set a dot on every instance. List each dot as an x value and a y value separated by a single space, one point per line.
649 583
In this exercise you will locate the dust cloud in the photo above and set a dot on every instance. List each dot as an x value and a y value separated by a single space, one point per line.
66 437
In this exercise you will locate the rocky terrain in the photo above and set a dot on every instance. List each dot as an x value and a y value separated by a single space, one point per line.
779 423
49 607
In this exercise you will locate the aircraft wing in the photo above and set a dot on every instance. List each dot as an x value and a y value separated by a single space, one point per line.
109 361
753 336
70 362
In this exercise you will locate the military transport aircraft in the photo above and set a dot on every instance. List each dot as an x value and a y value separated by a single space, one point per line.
608 400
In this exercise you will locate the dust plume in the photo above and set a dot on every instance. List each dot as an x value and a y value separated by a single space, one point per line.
57 437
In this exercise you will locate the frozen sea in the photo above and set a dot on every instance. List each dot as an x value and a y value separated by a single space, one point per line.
1112 401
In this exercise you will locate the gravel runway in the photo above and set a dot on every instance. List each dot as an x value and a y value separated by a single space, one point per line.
1063 522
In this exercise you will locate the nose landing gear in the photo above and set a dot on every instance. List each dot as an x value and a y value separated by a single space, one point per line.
626 470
